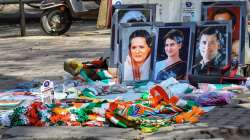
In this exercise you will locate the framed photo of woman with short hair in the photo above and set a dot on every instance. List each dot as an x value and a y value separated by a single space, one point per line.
234 11
173 43
128 13
212 51
136 46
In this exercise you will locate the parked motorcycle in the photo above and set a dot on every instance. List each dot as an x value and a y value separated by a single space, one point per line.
56 18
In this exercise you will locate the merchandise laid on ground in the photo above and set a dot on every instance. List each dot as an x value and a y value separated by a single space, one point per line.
91 98
158 75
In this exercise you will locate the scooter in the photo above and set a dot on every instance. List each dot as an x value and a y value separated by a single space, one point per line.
57 15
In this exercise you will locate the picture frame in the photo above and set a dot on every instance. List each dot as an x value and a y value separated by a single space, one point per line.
236 11
211 52
182 34
149 12
134 54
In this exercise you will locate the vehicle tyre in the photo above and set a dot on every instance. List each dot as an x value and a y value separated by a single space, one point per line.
55 21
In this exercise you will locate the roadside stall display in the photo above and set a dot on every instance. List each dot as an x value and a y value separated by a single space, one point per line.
235 11
158 63
173 42
136 47
128 14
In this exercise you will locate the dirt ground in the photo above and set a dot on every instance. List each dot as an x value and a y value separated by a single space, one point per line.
39 57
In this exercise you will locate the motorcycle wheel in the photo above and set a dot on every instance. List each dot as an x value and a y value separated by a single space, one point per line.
56 22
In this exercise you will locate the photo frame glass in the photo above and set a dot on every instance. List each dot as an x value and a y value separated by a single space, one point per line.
212 51
234 11
128 14
136 46
173 43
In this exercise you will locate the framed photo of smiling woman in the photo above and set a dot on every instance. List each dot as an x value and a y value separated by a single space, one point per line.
173 41
135 42
128 13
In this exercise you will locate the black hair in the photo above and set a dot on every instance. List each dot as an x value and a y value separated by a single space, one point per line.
134 20
224 10
140 33
213 31
133 16
135 6
175 35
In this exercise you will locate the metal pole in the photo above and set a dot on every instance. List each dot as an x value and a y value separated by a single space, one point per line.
22 18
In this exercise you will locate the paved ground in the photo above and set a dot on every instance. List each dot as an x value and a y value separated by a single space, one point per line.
38 56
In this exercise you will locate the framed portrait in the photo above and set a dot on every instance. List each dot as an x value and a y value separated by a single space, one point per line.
128 13
211 52
173 42
136 47
234 11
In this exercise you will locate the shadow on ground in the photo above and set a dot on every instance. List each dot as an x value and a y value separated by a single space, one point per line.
8 82
69 133
16 83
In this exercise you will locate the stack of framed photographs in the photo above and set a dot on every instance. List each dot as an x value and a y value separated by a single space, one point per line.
155 51
146 50
234 11
129 13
